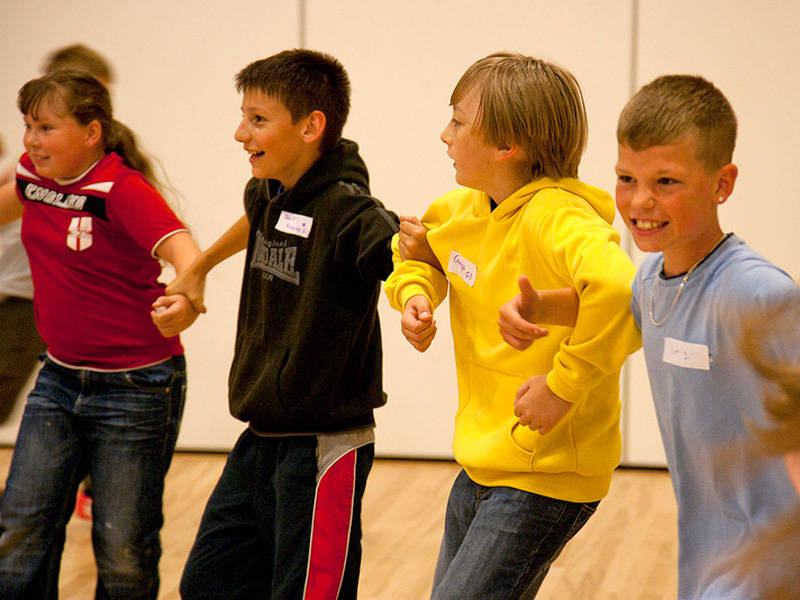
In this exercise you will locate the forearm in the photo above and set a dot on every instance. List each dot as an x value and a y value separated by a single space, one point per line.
180 250
231 242
557 307
10 206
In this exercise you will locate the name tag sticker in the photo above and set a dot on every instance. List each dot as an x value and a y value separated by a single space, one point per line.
686 354
294 224
462 267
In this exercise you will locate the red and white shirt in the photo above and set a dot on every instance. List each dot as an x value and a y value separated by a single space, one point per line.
91 244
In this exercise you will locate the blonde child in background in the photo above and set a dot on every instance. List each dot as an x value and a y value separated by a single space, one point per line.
771 345
537 432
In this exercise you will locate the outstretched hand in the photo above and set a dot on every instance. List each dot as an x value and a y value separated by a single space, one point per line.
516 315
417 323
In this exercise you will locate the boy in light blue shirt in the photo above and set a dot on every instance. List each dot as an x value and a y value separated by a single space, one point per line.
676 138
690 297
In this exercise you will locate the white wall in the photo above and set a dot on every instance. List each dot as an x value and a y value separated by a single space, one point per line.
175 66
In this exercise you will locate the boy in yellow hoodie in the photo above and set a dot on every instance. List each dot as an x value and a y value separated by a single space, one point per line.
536 432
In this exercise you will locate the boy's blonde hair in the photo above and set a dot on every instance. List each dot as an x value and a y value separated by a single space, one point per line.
531 103
671 107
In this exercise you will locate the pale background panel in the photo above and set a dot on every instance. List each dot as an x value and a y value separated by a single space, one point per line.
404 60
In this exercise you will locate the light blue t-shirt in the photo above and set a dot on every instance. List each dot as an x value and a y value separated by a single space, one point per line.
704 390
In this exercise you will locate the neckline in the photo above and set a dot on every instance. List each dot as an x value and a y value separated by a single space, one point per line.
696 265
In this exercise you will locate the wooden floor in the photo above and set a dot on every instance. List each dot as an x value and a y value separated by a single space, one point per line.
627 550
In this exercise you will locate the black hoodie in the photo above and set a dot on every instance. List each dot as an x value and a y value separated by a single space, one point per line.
308 353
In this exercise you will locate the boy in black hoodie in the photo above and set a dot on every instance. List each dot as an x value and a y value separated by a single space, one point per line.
284 518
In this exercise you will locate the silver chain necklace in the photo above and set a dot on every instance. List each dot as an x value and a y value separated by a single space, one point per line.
680 288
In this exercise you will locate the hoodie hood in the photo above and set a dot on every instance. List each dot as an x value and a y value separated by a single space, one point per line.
600 200
341 164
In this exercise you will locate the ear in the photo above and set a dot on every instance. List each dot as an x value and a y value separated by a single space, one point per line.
726 180
507 153
94 133
314 126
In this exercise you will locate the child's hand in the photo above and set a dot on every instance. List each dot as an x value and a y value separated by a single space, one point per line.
537 407
413 242
417 323
173 314
190 285
516 315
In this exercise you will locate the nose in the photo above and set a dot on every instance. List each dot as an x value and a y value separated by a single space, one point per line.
241 135
445 135
643 197
29 139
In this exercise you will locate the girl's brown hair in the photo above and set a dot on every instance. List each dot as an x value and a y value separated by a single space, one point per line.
86 99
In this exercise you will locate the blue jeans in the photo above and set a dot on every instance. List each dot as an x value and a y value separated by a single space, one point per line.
499 542
118 427
280 525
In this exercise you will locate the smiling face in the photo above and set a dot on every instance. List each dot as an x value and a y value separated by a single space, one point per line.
668 199
278 147
59 146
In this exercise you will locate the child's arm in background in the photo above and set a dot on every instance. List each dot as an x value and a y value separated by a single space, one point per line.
10 206
518 315
174 313
191 281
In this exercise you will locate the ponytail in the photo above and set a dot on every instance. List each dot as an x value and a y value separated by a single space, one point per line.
120 139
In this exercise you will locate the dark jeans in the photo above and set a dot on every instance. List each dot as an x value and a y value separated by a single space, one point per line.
277 526
118 427
20 346
499 542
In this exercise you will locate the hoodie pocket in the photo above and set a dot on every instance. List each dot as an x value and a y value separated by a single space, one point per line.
486 436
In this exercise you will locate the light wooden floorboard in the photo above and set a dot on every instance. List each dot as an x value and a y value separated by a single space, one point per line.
627 550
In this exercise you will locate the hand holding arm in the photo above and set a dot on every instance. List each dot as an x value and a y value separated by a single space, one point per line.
517 316
173 314
190 281
537 407
417 323
413 242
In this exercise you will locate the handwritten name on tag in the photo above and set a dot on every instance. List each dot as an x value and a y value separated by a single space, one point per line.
462 267
686 354
294 224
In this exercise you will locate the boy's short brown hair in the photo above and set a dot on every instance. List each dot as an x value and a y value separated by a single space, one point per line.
303 81
531 103
673 106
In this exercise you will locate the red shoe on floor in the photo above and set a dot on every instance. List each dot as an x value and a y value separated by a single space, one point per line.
83 505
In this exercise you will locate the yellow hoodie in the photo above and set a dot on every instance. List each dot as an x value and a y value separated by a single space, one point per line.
558 234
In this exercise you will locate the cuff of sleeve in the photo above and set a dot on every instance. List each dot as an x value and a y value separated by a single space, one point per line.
561 389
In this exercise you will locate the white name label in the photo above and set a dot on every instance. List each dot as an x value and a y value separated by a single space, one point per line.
294 224
686 354
462 267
